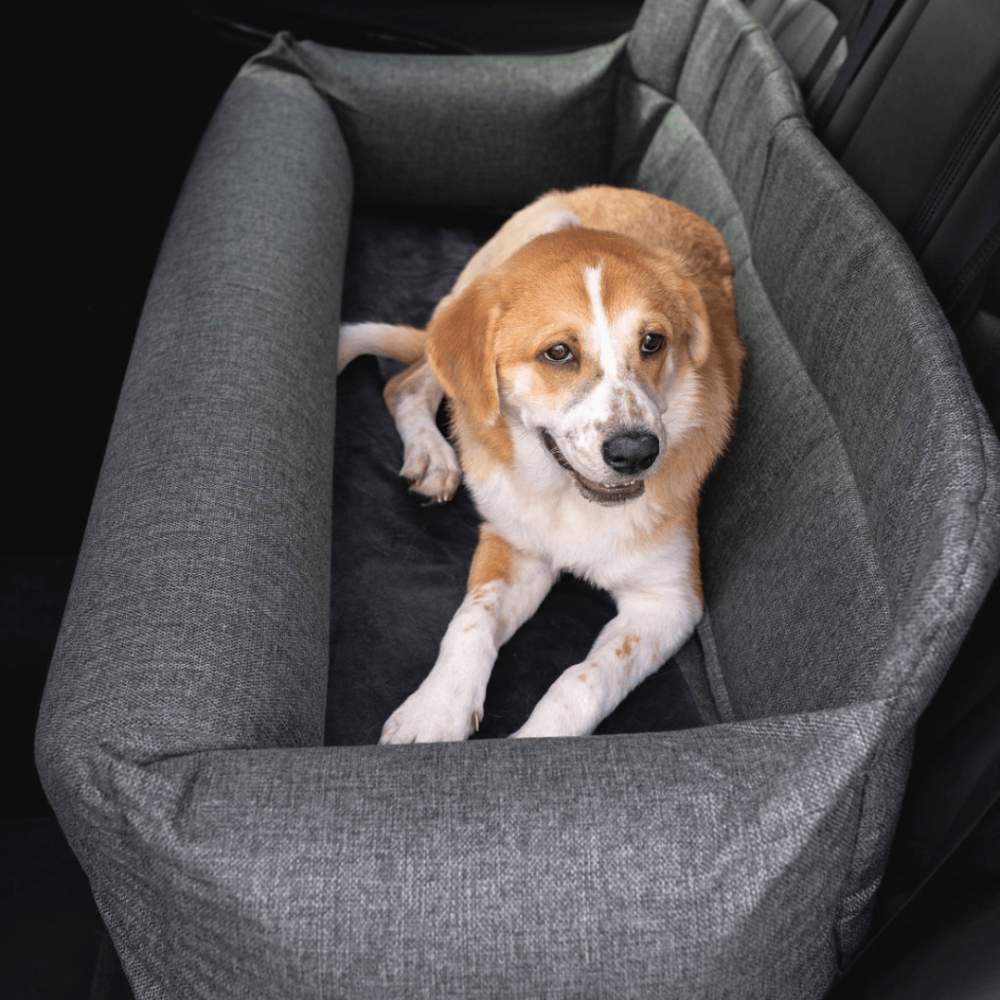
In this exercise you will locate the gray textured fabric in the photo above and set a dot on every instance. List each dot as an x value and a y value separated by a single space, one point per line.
848 537
499 128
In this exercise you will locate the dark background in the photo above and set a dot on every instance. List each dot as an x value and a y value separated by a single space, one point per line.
106 109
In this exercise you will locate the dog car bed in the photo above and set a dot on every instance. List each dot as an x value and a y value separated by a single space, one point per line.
733 846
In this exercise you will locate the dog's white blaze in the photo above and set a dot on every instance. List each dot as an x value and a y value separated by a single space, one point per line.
608 341
618 387
604 337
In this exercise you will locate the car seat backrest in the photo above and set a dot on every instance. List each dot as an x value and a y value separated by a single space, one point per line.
919 130
913 113
813 36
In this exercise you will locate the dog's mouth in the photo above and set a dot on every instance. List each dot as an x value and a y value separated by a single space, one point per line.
607 494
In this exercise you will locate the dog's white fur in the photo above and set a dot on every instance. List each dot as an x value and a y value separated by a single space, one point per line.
538 519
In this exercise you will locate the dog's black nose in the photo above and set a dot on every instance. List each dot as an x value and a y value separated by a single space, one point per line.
631 451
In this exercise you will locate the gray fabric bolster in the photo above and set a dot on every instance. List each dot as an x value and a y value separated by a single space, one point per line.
611 867
198 616
451 130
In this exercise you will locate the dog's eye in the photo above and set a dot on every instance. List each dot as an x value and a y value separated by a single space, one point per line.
651 343
558 354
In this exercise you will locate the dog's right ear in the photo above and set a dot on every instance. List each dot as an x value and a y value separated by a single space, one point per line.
461 349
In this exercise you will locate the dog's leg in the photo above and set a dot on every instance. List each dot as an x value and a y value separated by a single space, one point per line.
505 588
429 461
647 631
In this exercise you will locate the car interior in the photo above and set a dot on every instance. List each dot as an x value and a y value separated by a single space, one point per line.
905 95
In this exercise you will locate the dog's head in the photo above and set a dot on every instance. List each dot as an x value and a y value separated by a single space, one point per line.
589 339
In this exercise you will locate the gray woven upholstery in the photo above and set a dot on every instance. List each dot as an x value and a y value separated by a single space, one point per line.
848 538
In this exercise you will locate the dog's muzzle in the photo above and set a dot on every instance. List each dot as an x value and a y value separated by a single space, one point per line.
607 494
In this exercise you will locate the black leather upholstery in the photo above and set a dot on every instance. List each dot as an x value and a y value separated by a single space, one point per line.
919 129
810 34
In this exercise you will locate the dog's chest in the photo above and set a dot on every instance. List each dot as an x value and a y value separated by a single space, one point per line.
544 514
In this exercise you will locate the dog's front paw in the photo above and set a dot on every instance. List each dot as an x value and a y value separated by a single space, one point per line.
432 716
556 715
431 466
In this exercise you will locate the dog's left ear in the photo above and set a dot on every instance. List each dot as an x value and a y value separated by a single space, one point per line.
699 329
461 349
678 281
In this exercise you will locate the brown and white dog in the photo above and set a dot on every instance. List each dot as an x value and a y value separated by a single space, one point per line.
591 357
